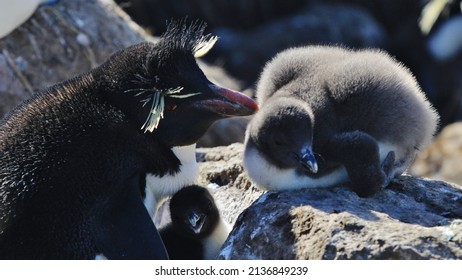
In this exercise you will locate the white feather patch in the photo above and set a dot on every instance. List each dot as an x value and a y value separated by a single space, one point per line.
212 244
270 177
159 188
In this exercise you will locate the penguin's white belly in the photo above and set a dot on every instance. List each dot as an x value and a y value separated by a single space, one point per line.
159 188
270 177
213 243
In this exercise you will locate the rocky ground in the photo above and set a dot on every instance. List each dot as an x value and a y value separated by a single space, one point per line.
413 218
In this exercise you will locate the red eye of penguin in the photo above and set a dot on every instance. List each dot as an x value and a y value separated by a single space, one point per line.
171 107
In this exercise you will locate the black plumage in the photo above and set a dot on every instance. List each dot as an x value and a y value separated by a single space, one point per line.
75 157
331 115
197 230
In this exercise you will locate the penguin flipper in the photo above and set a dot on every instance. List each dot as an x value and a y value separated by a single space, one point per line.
388 165
126 230
359 153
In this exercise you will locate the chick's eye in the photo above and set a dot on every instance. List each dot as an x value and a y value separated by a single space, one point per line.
278 141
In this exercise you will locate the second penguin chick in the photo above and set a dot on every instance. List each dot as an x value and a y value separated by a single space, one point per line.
197 231
330 115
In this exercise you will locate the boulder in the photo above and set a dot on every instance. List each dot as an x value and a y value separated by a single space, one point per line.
442 160
59 42
240 14
413 218
243 53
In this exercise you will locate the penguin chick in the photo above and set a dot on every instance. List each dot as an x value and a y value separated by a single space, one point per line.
330 115
197 231
81 160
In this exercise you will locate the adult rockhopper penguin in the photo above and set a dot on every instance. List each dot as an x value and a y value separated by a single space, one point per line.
76 158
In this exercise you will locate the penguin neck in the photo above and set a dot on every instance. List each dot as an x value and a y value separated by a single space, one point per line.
159 188
212 243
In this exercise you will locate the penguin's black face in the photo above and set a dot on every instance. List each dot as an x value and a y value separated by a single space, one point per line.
162 89
193 212
283 132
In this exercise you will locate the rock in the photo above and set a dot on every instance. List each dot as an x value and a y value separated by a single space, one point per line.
413 218
59 42
240 14
442 160
221 169
393 14
225 132
244 53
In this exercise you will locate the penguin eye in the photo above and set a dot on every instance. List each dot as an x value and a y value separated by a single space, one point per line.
278 141
172 107
209 205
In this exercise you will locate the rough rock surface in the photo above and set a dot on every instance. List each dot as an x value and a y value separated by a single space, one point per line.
442 160
413 218
221 169
59 42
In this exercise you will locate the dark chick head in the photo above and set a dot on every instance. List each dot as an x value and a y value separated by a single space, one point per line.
282 132
164 92
193 211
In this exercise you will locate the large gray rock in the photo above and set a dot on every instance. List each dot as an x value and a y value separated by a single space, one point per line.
59 42
442 160
413 218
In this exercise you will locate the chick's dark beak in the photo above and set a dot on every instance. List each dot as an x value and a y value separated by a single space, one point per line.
196 221
228 103
307 160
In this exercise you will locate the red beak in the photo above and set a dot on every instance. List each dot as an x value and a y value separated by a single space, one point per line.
228 103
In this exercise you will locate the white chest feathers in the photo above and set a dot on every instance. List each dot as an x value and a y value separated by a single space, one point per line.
161 187
212 243
270 177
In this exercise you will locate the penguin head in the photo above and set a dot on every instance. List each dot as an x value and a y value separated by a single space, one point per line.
283 133
163 91
193 212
